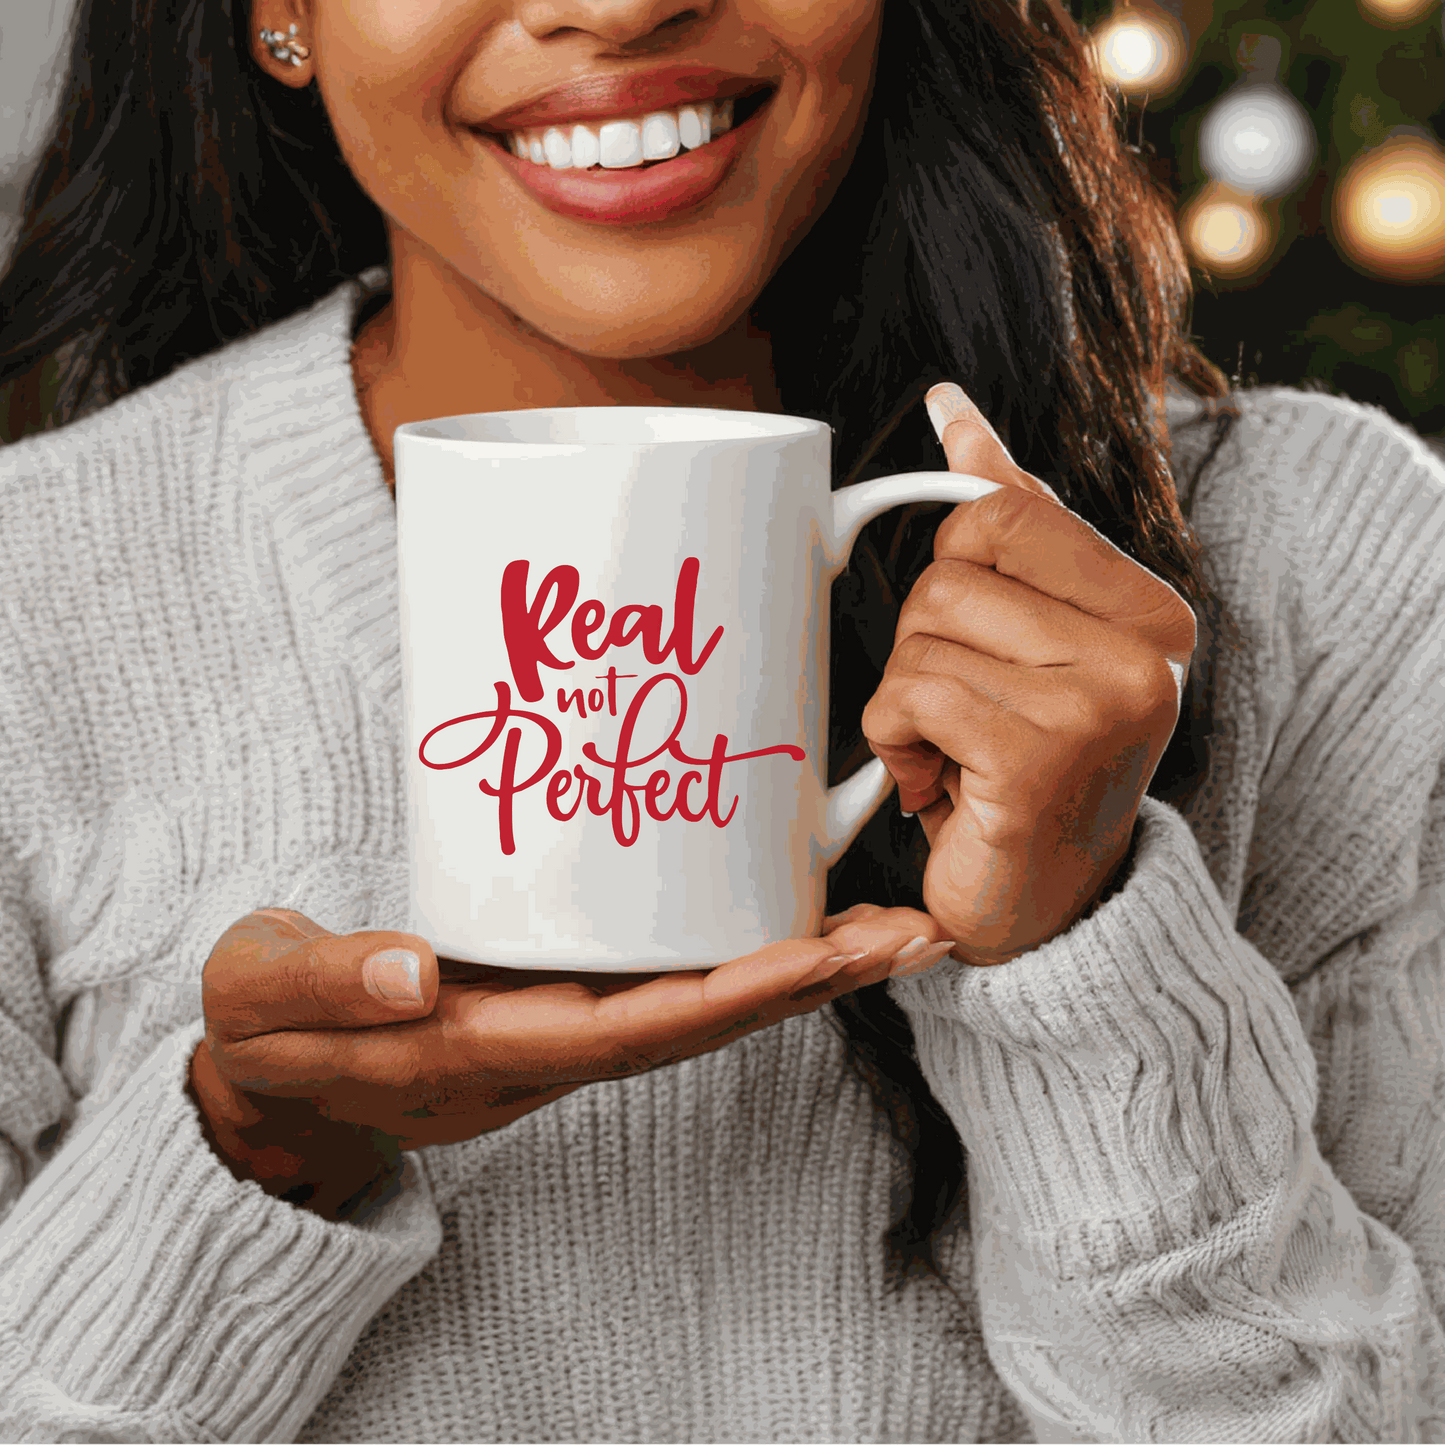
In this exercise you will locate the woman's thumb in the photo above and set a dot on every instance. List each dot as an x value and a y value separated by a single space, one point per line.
970 442
273 972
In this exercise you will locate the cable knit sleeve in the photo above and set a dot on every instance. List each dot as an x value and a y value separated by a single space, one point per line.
145 1293
1206 1138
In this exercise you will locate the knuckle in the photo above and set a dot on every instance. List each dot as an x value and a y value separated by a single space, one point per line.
938 586
1145 685
1166 616
1007 508
253 1065
305 980
916 651
883 719
1002 509
1163 689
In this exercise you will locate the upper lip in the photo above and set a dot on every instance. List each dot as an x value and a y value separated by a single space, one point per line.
593 97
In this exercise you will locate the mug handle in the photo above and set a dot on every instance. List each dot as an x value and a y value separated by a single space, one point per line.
853 802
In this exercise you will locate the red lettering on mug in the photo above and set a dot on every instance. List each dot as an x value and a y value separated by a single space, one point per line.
526 627
525 631
507 787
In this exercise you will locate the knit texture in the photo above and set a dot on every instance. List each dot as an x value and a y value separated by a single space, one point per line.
1206 1126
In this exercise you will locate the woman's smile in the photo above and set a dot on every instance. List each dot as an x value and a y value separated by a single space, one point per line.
631 148
619 179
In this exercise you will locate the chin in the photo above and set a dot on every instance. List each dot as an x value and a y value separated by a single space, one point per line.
639 334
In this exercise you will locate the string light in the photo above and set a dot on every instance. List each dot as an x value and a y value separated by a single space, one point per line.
1227 232
1140 50
1389 209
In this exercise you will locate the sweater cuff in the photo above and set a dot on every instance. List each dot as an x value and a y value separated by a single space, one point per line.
143 1278
1131 1082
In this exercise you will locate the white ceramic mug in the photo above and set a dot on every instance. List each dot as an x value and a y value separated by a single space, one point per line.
614 627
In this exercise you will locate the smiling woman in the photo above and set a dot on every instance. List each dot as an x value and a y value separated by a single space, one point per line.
1151 928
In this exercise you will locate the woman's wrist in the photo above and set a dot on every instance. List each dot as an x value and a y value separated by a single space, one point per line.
290 1149
1118 875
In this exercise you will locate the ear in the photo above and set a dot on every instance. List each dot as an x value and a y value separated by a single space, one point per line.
281 42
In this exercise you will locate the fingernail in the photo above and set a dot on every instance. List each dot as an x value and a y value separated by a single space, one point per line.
393 975
923 961
946 403
834 964
910 950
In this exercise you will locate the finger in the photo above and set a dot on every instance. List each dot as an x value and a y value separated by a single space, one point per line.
940 703
680 1015
915 765
858 910
903 937
534 1043
274 970
999 617
972 445
935 812
1059 555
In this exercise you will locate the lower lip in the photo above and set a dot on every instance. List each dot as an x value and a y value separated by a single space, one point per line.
638 194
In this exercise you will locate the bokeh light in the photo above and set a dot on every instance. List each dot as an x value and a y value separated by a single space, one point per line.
1227 232
1257 139
1396 14
1389 209
1140 51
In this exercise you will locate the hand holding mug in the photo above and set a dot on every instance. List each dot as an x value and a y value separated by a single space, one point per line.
615 644
1034 683
326 1054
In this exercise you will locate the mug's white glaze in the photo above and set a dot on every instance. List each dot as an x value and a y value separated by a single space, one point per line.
614 629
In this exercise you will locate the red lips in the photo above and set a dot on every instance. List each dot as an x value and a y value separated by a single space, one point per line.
635 195
615 96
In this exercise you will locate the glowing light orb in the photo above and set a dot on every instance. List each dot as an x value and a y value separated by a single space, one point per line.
1393 14
1389 209
1258 139
1138 51
1226 233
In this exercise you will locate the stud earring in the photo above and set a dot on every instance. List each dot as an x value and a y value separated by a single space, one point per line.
285 47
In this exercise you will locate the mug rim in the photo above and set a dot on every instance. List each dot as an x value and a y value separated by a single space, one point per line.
761 426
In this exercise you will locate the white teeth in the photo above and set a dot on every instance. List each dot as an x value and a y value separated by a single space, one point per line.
558 149
659 137
621 144
694 125
585 148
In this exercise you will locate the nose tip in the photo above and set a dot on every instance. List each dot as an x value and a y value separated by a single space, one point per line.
618 22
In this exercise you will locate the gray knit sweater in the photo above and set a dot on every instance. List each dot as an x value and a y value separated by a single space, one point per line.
1205 1126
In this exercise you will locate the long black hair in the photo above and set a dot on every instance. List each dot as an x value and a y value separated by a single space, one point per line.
993 229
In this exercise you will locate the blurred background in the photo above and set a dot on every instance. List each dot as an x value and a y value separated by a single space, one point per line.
1303 139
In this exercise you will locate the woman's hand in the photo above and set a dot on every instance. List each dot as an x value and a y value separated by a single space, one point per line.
318 1066
1034 682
